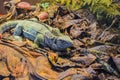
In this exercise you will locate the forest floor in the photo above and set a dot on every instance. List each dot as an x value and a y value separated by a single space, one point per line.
95 54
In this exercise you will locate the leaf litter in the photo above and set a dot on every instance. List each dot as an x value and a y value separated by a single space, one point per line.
94 55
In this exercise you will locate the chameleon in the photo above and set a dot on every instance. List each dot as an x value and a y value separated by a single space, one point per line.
42 34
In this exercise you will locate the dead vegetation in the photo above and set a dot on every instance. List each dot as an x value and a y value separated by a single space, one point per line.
95 54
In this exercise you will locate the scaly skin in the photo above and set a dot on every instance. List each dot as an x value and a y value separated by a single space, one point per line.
40 33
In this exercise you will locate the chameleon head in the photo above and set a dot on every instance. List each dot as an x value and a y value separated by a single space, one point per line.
64 42
58 43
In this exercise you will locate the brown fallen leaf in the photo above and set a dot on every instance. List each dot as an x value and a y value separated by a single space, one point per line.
84 60
117 62
17 64
75 74
43 68
77 43
3 69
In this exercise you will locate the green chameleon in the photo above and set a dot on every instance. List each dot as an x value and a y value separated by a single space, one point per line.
42 34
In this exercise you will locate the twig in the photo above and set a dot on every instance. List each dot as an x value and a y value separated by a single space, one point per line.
107 29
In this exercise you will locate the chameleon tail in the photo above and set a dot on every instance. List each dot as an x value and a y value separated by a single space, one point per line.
7 26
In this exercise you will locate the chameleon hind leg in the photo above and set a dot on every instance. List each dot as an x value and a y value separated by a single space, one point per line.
17 33
39 40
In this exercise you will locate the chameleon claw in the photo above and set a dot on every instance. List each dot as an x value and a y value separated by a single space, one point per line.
35 46
18 38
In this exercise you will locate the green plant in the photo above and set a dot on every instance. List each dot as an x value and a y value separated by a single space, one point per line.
71 4
100 8
45 5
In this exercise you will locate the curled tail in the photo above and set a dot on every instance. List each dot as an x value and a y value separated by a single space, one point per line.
8 26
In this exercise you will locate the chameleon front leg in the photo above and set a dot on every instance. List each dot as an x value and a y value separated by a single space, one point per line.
17 33
56 32
39 40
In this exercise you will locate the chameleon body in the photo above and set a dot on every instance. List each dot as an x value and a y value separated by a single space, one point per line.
42 34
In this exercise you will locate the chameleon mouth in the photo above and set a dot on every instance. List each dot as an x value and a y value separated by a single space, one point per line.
62 44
